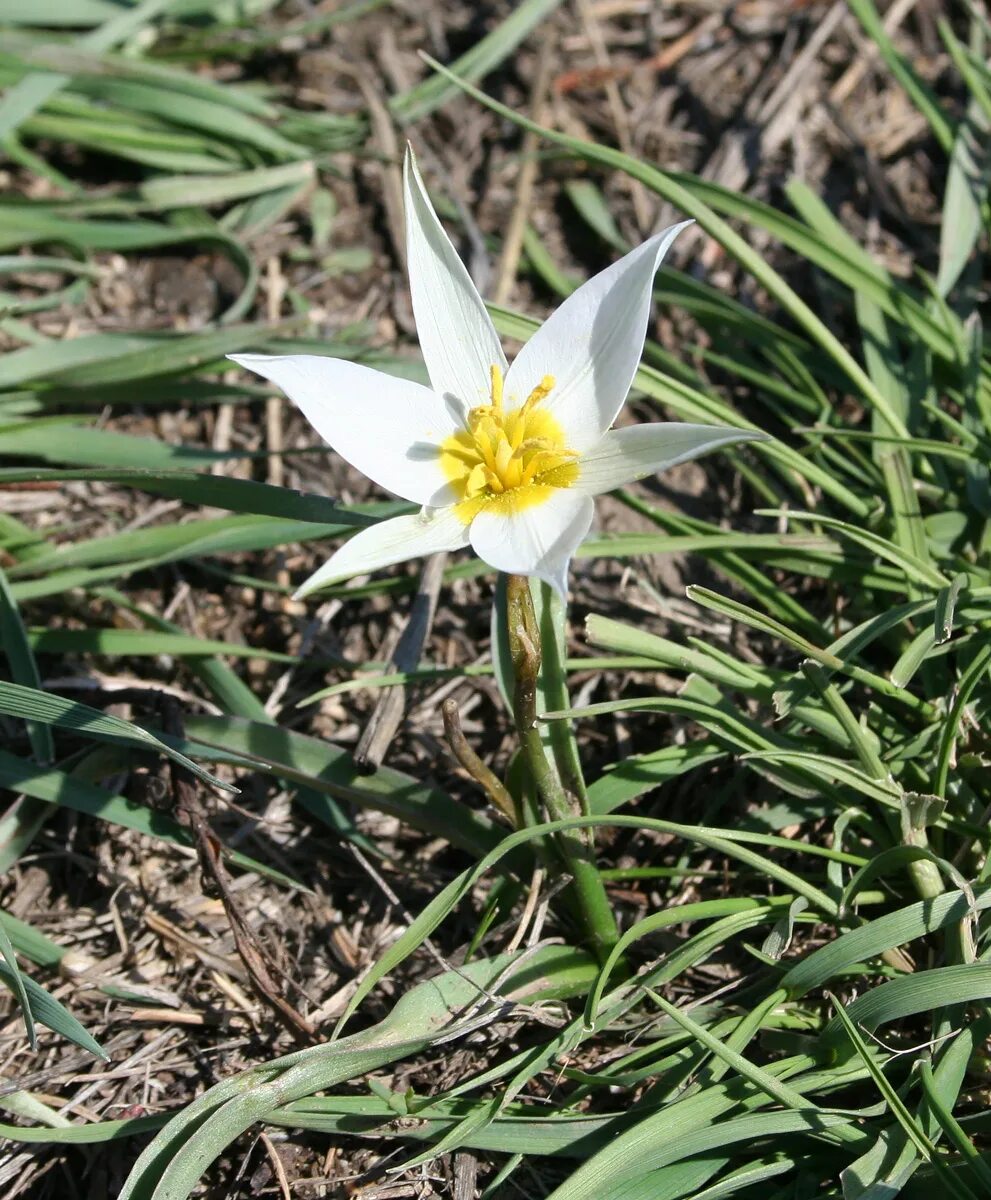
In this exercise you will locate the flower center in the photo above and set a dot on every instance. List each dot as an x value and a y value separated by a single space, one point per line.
509 459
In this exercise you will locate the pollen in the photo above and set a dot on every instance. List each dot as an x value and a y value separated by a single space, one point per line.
508 458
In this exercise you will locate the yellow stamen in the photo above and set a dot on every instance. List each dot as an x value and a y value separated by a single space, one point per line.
508 461
540 392
495 374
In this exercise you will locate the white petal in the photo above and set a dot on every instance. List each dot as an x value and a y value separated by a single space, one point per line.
537 541
458 340
390 429
592 345
624 455
392 541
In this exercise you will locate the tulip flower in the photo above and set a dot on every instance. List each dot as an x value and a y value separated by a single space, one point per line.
503 458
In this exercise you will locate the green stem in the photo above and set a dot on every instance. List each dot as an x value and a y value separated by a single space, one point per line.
575 848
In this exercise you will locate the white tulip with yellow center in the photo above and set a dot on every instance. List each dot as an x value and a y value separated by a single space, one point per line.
503 458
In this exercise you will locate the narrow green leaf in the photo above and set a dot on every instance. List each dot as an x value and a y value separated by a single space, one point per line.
915 568
952 1128
221 491
54 786
328 769
30 703
945 610
178 191
485 54
908 995
954 1186
17 649
919 92
12 977
969 680
48 1011
884 933
32 92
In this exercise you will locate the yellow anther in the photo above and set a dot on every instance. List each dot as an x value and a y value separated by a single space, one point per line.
495 374
508 460
540 392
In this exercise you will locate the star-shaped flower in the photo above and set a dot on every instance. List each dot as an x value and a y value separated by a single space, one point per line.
503 458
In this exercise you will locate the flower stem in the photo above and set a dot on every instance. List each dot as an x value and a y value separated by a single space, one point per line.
575 848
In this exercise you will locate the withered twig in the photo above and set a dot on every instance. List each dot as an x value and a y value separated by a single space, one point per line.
663 60
512 244
31 485
867 52
170 933
388 711
620 117
257 962
384 142
486 779
529 908
274 405
278 1167
465 1175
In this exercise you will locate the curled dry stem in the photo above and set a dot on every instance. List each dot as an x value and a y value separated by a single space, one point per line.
486 779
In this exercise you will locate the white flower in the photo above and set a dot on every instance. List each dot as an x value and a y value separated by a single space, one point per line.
503 458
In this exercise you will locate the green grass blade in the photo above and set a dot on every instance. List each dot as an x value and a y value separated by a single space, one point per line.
916 1135
12 977
24 670
919 93
32 704
487 53
943 1115
48 1011
32 92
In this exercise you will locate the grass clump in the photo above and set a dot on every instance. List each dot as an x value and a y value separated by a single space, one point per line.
784 773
